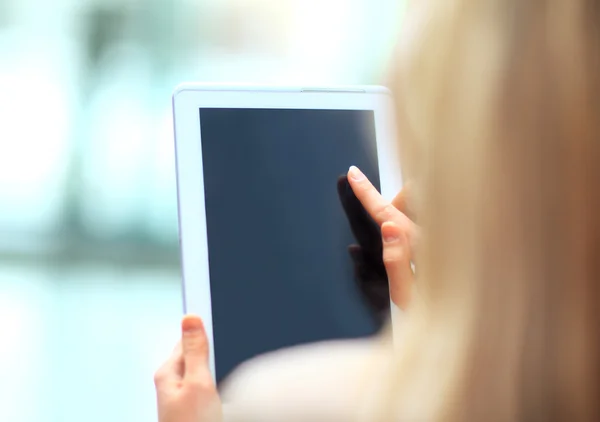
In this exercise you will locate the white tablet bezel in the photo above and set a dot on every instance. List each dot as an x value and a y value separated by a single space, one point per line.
188 99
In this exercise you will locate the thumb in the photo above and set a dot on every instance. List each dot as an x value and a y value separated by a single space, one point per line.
194 346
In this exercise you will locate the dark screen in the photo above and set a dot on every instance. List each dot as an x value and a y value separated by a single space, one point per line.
278 238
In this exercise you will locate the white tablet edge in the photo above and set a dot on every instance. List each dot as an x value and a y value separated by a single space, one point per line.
188 99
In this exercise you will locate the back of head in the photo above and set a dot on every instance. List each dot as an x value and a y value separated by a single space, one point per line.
500 122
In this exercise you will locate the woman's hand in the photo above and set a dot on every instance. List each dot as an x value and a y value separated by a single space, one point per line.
397 235
184 385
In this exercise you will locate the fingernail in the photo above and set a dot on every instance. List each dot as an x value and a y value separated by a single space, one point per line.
355 173
191 323
390 232
390 239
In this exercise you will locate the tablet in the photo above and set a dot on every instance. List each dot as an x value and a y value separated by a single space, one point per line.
264 238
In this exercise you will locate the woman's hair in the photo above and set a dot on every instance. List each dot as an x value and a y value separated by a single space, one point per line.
499 116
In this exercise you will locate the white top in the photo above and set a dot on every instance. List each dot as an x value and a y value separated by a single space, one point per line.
327 381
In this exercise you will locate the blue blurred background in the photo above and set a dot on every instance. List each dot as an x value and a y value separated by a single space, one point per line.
89 268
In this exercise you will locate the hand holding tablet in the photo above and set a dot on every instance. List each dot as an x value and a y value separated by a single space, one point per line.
184 384
395 241
367 252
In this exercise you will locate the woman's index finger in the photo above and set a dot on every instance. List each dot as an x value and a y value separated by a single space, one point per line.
376 205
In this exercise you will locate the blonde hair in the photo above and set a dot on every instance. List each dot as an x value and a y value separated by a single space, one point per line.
499 117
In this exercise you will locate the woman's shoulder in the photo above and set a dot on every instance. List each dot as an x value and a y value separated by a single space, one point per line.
318 380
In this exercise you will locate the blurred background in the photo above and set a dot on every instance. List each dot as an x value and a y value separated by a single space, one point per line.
90 298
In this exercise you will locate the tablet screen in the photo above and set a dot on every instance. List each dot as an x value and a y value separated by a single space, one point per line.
280 271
